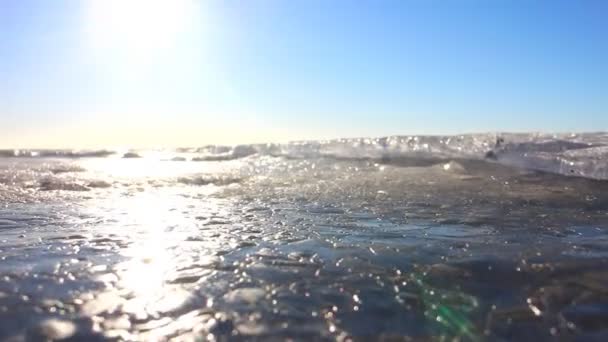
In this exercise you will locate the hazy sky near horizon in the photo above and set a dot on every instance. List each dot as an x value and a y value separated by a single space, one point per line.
181 72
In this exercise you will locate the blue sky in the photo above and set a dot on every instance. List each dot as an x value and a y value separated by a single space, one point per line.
181 72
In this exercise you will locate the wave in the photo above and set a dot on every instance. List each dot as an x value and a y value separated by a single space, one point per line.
582 155
55 154
221 153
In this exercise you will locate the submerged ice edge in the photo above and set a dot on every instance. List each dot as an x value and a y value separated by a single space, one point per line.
581 155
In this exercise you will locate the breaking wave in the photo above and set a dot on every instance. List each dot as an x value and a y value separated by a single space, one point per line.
582 155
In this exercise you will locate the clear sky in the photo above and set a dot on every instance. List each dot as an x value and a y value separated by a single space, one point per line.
181 72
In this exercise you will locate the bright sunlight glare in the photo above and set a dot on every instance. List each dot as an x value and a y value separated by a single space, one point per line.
136 29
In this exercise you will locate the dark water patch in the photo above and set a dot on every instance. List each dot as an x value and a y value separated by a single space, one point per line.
99 184
325 210
8 224
215 158
131 155
57 184
67 169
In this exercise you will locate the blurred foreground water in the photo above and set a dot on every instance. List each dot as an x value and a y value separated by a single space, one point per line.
427 238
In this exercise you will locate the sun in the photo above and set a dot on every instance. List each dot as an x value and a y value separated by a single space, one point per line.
136 29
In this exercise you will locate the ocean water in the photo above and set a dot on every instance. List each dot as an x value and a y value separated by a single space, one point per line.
473 237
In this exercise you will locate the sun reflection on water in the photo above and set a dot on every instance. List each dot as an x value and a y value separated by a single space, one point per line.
153 226
161 244
150 259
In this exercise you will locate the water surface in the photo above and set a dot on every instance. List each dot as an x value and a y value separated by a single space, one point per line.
320 243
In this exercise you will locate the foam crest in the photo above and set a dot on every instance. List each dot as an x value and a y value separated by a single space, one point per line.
582 155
